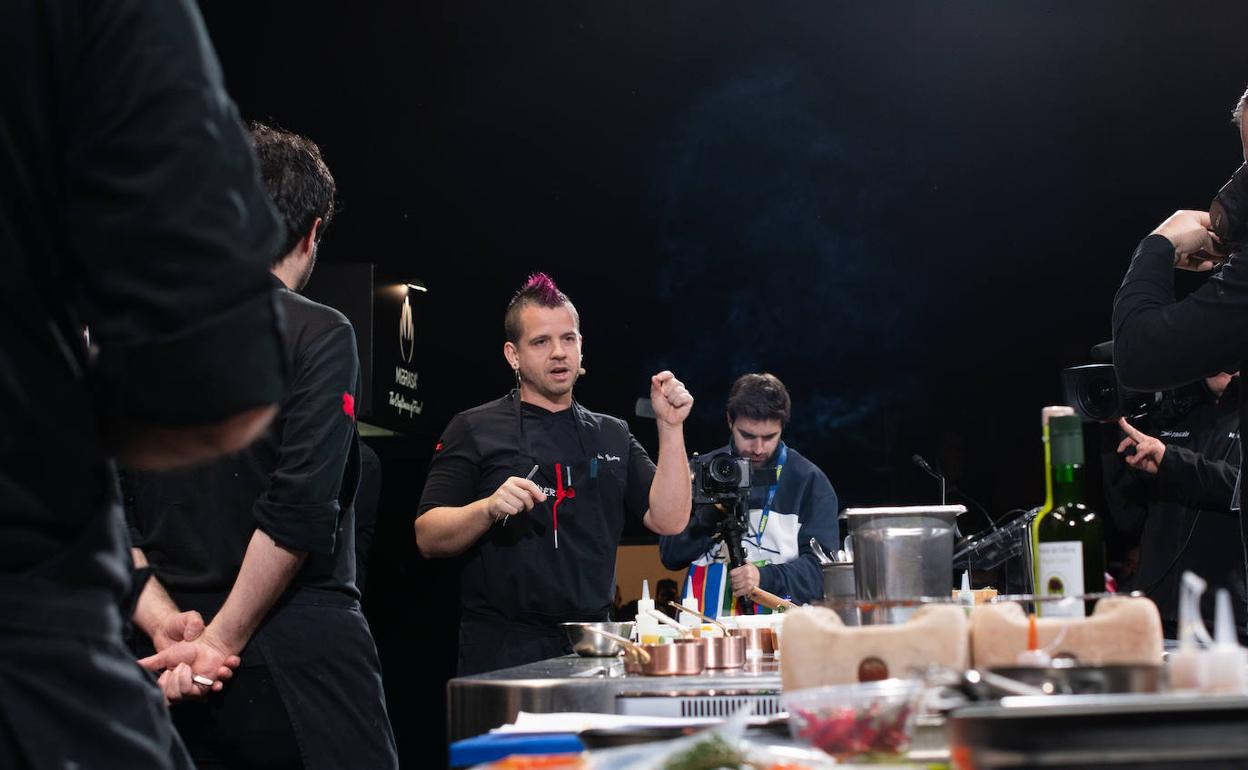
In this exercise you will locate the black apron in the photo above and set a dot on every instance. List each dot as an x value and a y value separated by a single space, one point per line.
580 486
315 650
335 701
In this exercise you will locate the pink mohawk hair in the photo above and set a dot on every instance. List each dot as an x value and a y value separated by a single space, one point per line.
538 290
543 289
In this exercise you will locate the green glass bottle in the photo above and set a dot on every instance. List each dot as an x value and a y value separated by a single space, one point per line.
1046 414
1070 547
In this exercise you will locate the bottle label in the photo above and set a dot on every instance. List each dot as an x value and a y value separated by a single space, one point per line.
1061 574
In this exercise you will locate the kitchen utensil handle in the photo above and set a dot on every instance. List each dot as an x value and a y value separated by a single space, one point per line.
662 618
770 600
639 651
702 615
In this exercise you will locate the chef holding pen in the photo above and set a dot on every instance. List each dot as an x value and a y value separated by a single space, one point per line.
533 489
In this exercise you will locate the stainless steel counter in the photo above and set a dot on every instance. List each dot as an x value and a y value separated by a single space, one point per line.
1170 731
485 701
1175 731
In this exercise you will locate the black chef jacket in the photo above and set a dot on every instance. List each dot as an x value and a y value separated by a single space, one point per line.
516 585
129 201
1160 343
296 483
1181 514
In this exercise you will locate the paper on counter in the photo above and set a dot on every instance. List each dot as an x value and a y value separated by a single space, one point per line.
576 721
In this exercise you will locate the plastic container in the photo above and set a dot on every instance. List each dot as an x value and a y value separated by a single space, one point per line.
871 720
647 628
691 619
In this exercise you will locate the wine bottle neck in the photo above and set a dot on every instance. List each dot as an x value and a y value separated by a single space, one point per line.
1067 481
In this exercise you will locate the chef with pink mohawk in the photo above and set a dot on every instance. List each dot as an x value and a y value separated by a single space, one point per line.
533 489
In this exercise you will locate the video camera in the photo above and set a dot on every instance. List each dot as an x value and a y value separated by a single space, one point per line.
723 481
719 478
1093 390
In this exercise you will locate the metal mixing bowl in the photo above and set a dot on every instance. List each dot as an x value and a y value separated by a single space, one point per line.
591 645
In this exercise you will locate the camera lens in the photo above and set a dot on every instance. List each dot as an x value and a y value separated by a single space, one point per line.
724 470
1098 398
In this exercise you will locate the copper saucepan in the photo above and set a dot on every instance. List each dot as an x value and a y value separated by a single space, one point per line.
727 651
762 641
681 657
758 641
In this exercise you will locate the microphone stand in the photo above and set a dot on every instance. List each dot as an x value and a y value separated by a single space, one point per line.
923 464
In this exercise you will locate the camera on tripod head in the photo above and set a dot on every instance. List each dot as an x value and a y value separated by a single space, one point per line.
720 478
724 481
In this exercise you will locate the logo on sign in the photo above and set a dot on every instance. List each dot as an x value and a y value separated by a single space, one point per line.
407 332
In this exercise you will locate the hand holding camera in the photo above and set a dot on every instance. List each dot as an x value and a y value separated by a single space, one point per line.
1195 245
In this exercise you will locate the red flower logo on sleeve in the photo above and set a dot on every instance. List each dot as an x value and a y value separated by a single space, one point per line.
348 405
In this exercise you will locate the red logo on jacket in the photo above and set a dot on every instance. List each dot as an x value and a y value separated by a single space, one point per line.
348 405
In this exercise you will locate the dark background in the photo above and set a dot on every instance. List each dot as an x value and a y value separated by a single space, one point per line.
914 213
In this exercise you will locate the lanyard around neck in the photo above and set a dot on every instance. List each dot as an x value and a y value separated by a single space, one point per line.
771 493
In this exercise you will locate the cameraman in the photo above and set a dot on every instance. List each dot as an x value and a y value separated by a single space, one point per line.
1173 491
1160 343
785 512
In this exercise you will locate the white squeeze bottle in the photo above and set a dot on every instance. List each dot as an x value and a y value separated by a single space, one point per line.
647 627
690 619
1188 669
965 595
1224 661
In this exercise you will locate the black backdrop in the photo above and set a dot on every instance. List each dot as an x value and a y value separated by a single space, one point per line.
914 213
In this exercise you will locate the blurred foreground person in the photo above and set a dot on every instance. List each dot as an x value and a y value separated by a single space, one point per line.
129 204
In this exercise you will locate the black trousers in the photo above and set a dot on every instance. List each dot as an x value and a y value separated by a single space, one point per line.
243 727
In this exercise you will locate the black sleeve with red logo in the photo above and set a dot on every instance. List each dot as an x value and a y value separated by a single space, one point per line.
454 469
315 432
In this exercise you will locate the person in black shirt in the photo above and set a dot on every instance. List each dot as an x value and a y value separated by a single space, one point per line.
262 543
533 489
129 203
1174 493
1160 343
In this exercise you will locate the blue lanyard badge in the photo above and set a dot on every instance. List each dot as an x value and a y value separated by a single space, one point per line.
771 494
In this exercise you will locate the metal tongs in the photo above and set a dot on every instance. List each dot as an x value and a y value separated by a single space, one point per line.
842 556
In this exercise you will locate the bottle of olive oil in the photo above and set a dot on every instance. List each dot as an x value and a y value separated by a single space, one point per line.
1069 536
